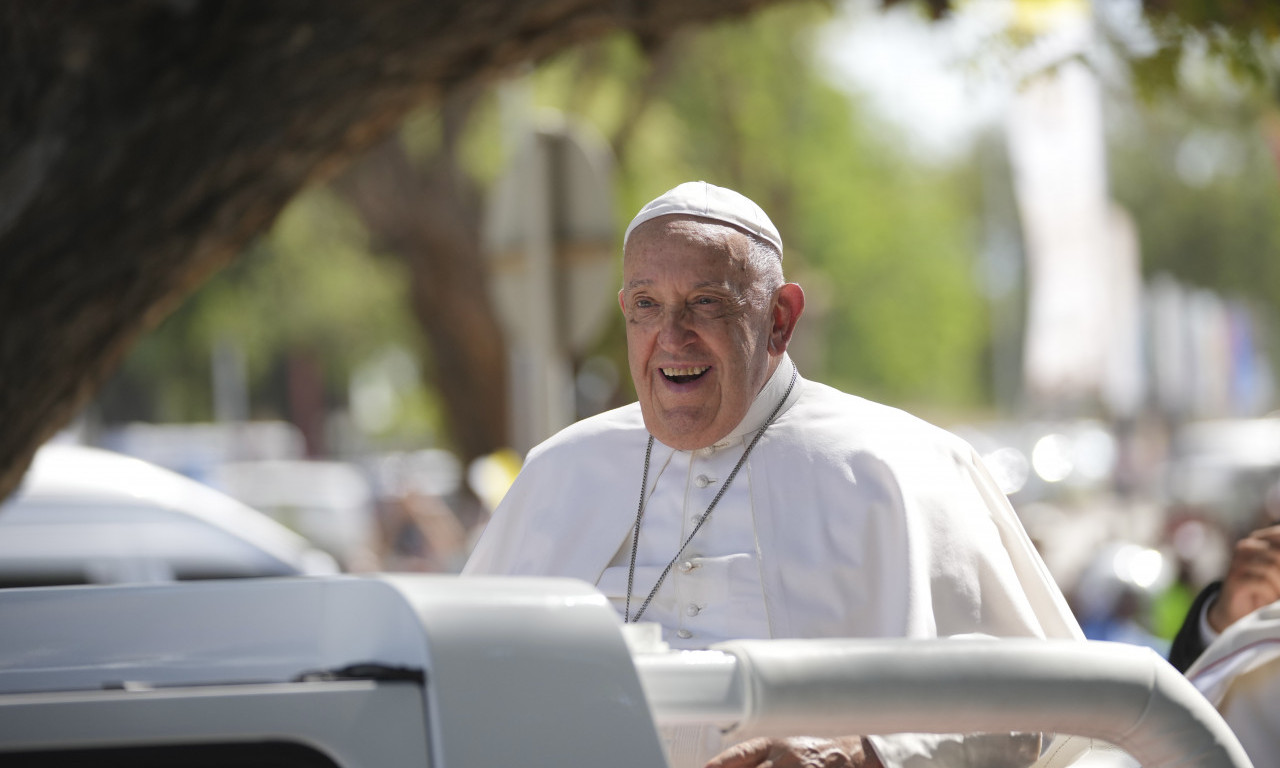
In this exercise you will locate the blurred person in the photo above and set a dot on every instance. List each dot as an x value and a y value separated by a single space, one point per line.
1252 581
736 499
1171 604
1198 546
1112 599
422 533
1122 622
419 530
1229 645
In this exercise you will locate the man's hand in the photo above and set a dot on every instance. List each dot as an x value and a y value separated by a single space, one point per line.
1253 579
799 752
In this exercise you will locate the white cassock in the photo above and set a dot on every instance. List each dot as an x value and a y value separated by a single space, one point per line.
848 519
1240 673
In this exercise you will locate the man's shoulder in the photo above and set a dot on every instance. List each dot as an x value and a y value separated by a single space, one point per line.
602 432
856 418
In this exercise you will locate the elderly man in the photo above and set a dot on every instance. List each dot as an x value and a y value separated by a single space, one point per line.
738 500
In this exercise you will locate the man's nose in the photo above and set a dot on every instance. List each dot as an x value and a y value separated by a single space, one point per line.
676 330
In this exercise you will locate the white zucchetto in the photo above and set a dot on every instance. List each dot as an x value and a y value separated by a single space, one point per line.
698 198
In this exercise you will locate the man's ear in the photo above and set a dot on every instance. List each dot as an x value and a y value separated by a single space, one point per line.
622 303
788 305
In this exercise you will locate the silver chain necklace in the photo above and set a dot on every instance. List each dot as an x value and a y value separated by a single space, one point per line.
644 483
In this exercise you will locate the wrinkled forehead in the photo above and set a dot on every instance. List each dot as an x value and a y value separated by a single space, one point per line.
690 252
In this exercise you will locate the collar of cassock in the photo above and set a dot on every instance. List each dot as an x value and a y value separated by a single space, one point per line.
766 401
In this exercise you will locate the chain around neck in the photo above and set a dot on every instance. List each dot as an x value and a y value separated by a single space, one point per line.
644 484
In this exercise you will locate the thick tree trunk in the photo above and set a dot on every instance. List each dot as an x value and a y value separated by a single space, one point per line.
144 143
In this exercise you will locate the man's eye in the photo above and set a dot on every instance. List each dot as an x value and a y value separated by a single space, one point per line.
705 300
643 303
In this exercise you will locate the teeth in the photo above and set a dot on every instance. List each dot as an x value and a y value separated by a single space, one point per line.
696 370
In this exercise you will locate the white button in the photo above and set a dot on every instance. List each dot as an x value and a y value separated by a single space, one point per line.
687 566
692 610
702 481
684 634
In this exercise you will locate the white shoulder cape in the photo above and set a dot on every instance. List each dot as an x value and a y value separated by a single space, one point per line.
871 523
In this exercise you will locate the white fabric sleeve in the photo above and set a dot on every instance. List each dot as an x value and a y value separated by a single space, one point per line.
975 750
1207 633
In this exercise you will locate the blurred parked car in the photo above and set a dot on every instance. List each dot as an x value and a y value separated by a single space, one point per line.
330 502
88 516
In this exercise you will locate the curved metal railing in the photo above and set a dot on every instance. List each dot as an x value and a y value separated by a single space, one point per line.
1122 694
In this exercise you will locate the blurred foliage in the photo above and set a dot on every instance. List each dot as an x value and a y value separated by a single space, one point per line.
1206 198
1205 195
1179 35
1245 64
1194 155
1236 17
308 287
884 244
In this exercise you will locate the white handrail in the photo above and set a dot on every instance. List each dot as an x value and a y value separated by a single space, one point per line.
1122 694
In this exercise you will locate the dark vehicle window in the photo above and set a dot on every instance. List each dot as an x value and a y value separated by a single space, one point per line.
46 579
268 754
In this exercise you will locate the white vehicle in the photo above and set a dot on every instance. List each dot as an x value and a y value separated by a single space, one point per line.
88 516
448 672
328 502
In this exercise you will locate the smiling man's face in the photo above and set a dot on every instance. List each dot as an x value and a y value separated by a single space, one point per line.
699 323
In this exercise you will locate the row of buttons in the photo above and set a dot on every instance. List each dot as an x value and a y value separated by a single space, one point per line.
702 481
692 609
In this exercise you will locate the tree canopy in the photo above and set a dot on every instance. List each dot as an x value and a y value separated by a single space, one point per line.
143 146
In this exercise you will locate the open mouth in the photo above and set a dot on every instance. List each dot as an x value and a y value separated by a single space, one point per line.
685 375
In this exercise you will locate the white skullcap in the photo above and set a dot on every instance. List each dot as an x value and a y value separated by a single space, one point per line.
698 198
